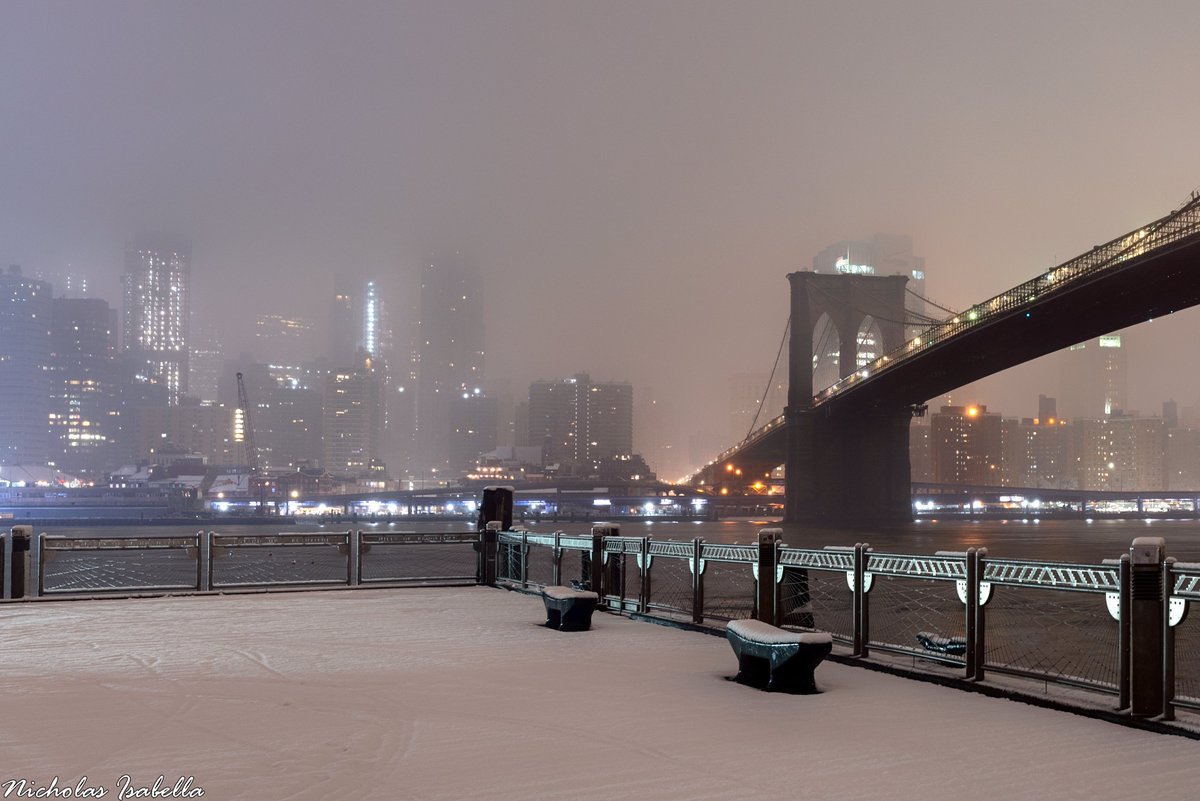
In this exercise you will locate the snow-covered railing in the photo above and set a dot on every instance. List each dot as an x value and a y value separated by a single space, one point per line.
1053 621
207 561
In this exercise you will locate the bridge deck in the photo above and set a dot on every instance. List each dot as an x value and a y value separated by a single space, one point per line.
461 694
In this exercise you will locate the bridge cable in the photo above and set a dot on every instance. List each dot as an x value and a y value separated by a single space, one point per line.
770 380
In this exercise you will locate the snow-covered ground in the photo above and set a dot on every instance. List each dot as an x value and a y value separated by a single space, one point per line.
460 694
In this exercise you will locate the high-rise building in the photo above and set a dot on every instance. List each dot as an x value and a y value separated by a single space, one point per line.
82 385
351 422
449 354
966 446
1095 378
25 345
581 422
157 314
473 429
205 363
283 339
1121 453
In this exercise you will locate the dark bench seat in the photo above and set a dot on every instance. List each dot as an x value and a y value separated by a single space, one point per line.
568 609
776 660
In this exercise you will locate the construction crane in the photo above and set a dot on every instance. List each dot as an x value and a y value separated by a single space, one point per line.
247 432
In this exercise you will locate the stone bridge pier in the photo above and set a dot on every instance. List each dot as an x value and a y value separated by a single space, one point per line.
844 466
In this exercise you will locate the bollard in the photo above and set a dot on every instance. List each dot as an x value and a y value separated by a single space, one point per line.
18 565
1146 602
768 553
496 505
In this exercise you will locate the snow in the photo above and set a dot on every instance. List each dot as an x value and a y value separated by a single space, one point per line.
567 593
765 633
463 694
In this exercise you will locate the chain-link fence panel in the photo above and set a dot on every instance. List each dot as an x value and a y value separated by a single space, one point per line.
729 590
918 616
539 563
1064 636
1187 660
671 586
817 599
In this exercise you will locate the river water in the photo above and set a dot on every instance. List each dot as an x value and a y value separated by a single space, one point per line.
1048 540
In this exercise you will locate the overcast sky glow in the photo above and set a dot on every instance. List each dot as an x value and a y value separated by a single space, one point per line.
634 178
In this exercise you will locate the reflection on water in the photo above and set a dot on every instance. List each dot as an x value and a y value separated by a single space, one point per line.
1048 540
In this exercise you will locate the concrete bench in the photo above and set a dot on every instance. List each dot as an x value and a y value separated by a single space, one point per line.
568 609
937 644
776 660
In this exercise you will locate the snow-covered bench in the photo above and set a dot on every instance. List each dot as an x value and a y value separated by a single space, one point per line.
776 660
937 644
568 609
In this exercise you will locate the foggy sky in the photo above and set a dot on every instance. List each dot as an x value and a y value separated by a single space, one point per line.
634 179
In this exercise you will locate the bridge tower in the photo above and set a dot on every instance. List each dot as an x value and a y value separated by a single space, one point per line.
852 466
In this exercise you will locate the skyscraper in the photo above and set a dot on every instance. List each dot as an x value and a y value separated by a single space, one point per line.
581 422
882 254
82 412
1095 378
157 313
448 352
24 355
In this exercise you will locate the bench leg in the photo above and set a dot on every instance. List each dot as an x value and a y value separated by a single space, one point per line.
753 671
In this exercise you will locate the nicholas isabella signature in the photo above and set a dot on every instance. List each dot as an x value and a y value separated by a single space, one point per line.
125 787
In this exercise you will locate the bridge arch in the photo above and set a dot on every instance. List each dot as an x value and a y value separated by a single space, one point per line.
826 353
866 307
868 343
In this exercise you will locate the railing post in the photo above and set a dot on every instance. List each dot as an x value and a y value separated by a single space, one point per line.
644 572
1146 557
203 562
487 554
1124 643
768 539
17 561
524 560
859 602
356 554
611 565
556 569
36 574
697 581
596 568
1168 639
5 564
982 597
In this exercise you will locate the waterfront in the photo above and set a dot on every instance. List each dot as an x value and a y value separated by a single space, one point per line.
1047 540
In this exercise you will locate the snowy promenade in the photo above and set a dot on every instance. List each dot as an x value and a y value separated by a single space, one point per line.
459 694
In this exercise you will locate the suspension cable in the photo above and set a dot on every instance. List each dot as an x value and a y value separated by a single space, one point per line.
771 379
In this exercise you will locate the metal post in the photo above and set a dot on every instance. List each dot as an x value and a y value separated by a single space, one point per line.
203 562
5 561
644 571
864 621
356 557
1146 557
611 565
488 553
556 570
768 539
859 600
596 569
982 599
1124 642
17 562
35 575
1168 638
697 581
971 603
524 560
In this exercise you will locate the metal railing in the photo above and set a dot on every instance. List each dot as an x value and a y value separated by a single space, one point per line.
1059 623
1082 625
206 562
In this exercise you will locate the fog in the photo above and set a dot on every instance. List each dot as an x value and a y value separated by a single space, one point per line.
634 180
